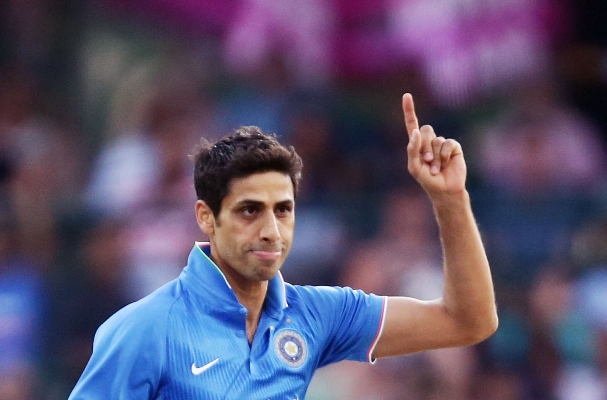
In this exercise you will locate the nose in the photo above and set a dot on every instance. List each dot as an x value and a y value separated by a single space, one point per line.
269 231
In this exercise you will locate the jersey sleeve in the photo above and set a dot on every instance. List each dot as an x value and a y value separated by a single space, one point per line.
128 355
351 322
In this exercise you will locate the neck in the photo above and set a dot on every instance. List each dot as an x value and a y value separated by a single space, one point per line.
251 296
252 299
250 293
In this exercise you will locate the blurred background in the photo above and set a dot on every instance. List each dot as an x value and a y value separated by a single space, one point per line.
101 101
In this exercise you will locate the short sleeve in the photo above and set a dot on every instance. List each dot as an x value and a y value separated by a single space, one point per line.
351 322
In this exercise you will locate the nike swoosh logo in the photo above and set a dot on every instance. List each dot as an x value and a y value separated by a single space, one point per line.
200 370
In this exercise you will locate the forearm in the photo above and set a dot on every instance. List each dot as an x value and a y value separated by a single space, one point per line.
466 314
468 295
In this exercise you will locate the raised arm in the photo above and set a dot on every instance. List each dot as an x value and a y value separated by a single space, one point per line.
466 314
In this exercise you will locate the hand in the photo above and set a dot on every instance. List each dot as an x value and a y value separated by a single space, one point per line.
436 163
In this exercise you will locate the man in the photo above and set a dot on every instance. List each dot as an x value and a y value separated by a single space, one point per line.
230 328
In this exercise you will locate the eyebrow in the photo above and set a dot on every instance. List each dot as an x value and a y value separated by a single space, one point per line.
257 203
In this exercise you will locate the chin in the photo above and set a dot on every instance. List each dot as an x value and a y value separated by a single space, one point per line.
268 272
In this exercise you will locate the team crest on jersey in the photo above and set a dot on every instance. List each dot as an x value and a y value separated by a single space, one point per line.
291 348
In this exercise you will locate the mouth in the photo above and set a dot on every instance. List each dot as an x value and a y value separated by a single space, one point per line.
267 255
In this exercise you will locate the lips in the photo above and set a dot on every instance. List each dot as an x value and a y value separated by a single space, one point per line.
267 255
266 251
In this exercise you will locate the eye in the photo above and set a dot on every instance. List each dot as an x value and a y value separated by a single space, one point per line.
284 210
248 211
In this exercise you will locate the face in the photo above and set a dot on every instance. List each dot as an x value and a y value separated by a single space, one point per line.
252 235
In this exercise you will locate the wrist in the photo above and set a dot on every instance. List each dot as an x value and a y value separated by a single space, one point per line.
450 201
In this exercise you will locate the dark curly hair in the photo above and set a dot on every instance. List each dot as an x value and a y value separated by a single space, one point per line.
245 152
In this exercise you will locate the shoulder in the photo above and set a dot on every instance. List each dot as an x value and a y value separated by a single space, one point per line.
324 297
129 351
312 292
144 318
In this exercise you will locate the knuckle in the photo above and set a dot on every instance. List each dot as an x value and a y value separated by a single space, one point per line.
453 142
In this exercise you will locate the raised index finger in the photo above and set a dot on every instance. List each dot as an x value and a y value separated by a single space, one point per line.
409 111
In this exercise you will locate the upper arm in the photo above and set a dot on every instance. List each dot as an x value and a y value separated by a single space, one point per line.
413 325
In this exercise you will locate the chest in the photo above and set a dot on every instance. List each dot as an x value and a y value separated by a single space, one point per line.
209 357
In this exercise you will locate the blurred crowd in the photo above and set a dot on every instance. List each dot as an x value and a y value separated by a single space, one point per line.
102 101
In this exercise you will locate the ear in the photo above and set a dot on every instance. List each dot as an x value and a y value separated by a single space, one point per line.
205 217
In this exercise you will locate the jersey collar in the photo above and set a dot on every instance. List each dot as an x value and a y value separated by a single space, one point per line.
202 276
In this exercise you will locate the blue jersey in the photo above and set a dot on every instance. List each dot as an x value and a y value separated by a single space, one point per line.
187 340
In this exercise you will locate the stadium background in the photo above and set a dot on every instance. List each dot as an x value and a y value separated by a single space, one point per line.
101 101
